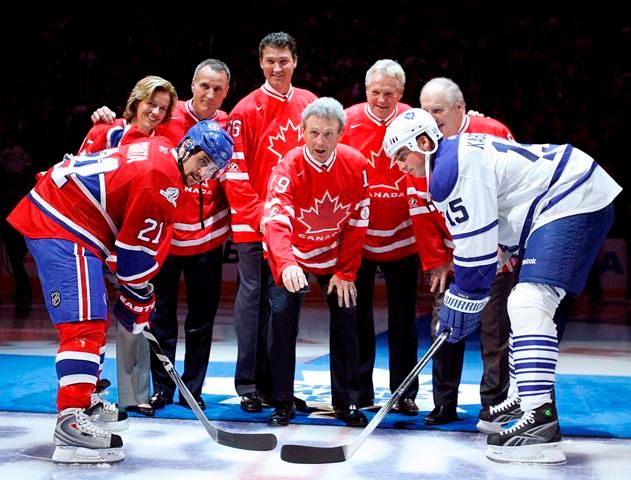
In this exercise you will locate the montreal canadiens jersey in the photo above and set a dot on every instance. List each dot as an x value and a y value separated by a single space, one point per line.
265 125
390 235
495 191
103 135
203 219
119 204
317 214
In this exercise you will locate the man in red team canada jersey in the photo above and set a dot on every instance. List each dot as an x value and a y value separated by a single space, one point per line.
444 100
265 125
199 232
390 243
115 207
316 215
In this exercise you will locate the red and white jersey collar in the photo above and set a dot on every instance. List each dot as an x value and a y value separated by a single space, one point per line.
191 111
381 121
319 166
268 90
464 125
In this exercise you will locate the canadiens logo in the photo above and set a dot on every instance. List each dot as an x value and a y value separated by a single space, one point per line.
171 194
288 137
327 215
55 298
233 167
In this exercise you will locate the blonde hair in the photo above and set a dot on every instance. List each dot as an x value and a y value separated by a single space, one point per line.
144 89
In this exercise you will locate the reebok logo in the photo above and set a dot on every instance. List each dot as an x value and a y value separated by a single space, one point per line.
529 261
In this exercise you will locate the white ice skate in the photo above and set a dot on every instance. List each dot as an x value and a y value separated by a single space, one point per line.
79 440
107 415
533 439
493 418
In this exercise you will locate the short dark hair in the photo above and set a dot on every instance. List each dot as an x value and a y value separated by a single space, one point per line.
279 40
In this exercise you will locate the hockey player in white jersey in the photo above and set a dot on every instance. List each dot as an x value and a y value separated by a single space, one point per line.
551 202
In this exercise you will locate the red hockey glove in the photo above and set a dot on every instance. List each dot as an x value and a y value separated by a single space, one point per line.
134 306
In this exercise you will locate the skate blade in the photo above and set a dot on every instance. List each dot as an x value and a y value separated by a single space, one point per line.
545 454
112 426
72 454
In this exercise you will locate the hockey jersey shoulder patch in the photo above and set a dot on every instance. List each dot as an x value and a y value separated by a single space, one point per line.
171 194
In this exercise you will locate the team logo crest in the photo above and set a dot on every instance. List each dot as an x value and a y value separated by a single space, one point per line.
409 115
171 194
327 215
382 176
55 298
288 137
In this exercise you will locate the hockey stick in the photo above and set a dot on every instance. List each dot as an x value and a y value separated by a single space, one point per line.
245 441
310 454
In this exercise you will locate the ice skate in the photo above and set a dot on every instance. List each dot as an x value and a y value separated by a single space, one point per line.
493 418
533 439
79 440
107 415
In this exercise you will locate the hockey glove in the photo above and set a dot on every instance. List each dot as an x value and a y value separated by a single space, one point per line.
134 306
460 313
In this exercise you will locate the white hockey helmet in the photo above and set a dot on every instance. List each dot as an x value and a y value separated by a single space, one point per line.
405 129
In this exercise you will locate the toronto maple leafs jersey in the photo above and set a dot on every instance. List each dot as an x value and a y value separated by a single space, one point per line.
316 214
118 203
202 220
433 238
390 235
265 125
495 191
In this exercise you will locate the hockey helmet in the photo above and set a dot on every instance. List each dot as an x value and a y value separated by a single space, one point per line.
208 136
405 129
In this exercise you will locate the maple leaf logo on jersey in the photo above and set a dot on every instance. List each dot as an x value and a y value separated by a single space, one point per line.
288 137
326 216
378 178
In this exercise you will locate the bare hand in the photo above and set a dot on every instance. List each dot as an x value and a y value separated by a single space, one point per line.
475 113
294 278
103 115
438 277
346 291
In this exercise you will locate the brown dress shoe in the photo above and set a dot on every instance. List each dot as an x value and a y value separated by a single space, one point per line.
407 406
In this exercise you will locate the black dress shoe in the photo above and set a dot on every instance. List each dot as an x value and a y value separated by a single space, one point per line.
351 416
251 403
281 415
146 410
441 415
199 400
407 406
301 405
160 400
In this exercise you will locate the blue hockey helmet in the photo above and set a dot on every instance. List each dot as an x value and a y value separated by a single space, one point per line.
208 136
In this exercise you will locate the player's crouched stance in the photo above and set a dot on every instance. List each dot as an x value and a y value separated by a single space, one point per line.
553 203
114 208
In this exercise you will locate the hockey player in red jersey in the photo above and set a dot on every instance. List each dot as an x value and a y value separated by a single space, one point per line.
390 243
265 125
149 104
316 214
113 208
200 230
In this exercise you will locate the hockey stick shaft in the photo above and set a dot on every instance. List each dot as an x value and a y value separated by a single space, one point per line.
311 454
246 441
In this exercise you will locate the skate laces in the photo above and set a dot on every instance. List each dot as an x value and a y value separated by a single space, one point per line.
505 406
527 417
85 424
108 407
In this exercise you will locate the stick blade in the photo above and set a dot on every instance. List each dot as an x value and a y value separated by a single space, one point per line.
312 455
259 442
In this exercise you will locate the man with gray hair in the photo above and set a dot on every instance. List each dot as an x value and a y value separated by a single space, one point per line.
390 243
316 215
